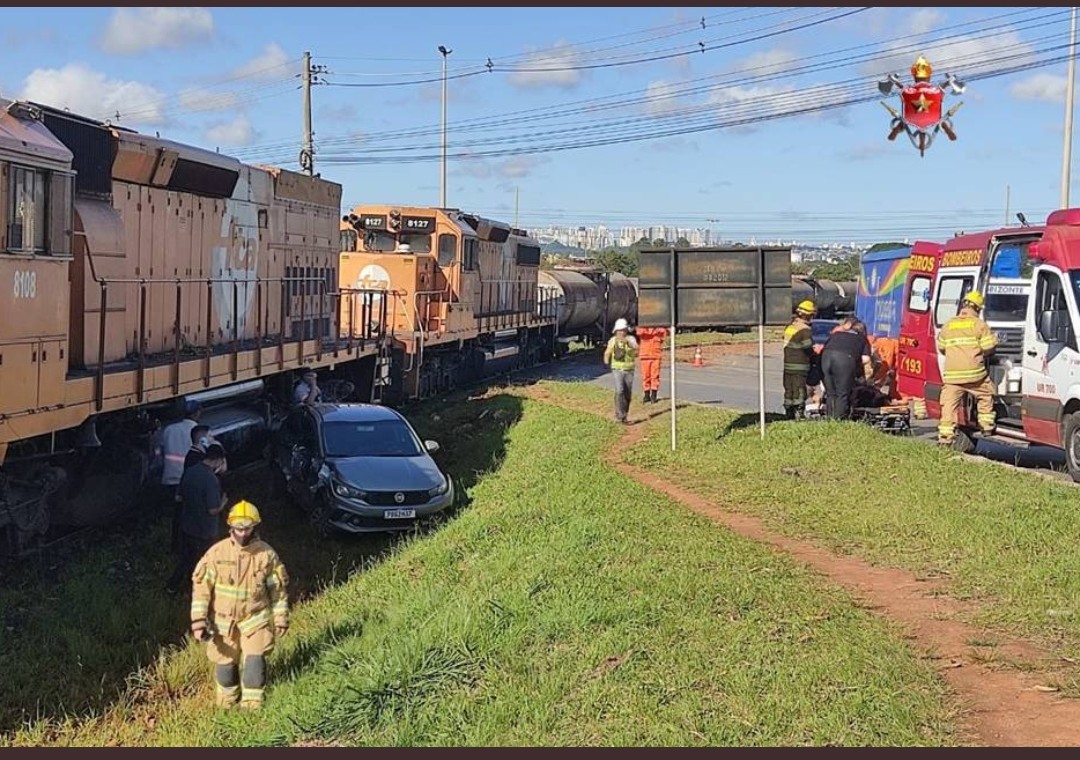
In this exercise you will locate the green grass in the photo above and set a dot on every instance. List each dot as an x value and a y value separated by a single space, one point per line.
79 627
1001 536
718 338
567 605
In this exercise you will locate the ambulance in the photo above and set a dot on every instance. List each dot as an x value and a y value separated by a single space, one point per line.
1030 279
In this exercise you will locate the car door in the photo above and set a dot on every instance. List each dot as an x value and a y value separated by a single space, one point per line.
1050 359
307 453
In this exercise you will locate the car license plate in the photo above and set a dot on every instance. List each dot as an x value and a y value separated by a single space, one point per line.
399 514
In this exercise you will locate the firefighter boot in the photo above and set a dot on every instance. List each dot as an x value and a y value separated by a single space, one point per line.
253 682
226 685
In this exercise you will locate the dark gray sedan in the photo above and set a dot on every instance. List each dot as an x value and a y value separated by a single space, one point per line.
359 468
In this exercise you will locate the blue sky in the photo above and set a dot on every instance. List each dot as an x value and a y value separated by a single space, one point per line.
221 78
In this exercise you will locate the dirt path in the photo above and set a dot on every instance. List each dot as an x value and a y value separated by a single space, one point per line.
1005 705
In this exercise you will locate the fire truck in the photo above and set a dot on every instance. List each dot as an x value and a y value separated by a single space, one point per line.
1029 277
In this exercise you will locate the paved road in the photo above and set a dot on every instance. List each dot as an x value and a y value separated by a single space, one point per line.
731 380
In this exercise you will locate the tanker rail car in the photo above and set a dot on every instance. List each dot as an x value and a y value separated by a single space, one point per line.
140 272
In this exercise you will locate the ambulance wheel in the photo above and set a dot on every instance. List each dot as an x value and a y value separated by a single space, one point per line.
963 443
1072 445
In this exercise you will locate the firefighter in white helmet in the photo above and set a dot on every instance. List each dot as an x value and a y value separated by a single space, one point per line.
239 606
620 354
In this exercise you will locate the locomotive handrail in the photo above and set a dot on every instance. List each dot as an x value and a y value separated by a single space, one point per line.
321 292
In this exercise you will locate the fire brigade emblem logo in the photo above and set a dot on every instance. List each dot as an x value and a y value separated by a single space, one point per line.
921 117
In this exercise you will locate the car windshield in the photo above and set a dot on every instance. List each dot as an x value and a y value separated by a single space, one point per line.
377 438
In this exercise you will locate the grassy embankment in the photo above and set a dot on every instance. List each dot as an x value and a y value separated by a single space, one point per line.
566 605
1003 537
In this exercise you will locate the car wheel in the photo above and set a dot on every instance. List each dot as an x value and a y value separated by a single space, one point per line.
1071 444
319 517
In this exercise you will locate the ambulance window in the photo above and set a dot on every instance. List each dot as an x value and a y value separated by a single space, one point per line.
919 300
1050 296
950 291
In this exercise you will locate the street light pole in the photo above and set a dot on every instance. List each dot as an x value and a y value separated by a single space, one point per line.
1070 86
445 53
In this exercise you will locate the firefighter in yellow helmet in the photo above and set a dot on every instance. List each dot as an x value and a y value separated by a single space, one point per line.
798 353
966 341
239 606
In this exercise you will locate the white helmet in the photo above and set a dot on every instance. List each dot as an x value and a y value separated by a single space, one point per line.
620 324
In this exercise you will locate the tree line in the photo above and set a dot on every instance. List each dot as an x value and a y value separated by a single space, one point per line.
625 260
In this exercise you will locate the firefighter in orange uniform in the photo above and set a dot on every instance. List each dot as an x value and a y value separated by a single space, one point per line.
966 341
651 352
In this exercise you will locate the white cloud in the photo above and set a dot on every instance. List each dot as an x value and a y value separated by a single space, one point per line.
924 20
207 100
90 93
661 98
271 63
516 167
767 62
133 30
962 56
1042 86
234 134
546 65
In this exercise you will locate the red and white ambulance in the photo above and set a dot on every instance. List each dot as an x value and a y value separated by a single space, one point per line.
1030 279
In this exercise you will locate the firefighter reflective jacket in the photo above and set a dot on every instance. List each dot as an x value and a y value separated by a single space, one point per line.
966 341
245 586
798 346
651 341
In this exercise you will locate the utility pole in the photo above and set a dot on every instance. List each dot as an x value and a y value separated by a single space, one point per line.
308 77
445 53
307 154
1006 205
516 189
1066 156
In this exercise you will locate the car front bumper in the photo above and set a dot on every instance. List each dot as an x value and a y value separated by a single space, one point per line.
351 516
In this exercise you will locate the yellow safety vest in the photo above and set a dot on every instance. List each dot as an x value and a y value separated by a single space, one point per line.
623 353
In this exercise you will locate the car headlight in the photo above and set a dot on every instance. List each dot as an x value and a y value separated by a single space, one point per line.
348 492
441 489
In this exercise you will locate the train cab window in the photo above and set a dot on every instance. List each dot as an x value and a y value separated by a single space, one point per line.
348 240
27 217
1050 296
418 242
379 242
919 298
447 249
950 292
468 259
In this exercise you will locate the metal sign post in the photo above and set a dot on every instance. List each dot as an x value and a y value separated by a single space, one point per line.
672 301
737 286
761 342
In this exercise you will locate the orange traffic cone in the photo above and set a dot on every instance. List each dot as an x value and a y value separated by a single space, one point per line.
698 361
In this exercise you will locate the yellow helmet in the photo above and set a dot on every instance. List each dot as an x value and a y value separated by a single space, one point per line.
975 299
806 307
921 69
244 514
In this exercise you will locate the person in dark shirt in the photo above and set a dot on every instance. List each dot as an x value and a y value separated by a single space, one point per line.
845 358
200 439
201 502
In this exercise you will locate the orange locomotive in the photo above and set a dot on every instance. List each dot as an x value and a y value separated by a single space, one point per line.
463 297
138 272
